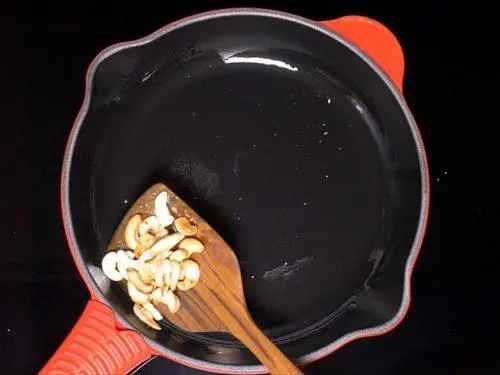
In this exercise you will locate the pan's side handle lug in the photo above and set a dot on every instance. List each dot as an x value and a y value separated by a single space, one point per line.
375 40
97 346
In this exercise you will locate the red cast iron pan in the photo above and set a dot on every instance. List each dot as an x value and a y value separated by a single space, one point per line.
292 138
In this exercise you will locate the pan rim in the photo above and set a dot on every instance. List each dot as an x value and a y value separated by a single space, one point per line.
424 204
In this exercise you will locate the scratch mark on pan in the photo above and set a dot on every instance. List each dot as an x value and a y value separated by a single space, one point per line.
236 164
286 271
148 75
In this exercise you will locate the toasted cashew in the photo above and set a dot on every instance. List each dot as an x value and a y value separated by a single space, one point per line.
162 275
191 270
164 245
191 245
147 271
109 266
147 239
149 225
174 275
179 255
133 277
145 316
171 300
182 225
139 250
136 295
161 233
131 231
153 311
156 296
186 284
167 242
123 263
161 209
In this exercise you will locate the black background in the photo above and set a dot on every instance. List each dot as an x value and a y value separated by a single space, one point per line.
451 75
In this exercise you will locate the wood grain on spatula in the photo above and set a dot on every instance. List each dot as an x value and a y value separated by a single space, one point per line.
217 302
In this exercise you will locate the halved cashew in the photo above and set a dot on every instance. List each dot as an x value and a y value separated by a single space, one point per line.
147 271
164 244
171 300
166 254
179 255
161 210
139 250
147 239
156 296
131 231
191 270
182 225
124 262
109 267
175 273
162 275
149 225
191 245
162 232
153 311
133 277
147 256
186 284
145 316
136 295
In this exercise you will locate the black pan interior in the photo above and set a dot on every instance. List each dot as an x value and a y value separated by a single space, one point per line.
288 143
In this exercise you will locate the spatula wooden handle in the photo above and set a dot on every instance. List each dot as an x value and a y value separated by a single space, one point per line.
263 348
238 322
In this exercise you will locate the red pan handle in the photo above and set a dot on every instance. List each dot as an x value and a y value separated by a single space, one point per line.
375 40
97 346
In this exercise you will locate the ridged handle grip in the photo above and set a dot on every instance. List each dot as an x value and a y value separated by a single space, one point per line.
97 346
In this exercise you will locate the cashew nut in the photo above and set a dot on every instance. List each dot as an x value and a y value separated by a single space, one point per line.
136 295
139 250
161 233
131 230
147 271
109 267
161 209
182 225
186 284
191 245
171 300
147 239
162 275
153 311
179 255
166 243
191 270
123 263
133 277
145 316
156 296
149 225
174 274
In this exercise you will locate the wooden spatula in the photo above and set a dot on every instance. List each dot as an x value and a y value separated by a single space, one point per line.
216 303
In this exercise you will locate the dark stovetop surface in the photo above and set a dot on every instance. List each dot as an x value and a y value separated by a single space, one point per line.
449 68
